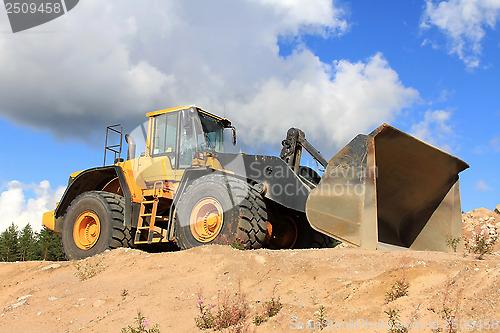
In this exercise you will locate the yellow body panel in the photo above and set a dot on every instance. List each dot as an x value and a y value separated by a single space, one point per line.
75 174
149 169
135 190
49 220
155 171
155 113
130 178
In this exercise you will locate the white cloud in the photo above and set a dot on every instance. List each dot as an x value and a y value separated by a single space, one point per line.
435 129
16 208
330 103
315 16
482 186
463 22
495 144
109 61
444 95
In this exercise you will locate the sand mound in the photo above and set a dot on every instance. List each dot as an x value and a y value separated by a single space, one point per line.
351 284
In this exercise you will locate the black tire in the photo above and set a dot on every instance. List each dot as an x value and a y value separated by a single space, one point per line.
320 241
244 213
108 208
308 238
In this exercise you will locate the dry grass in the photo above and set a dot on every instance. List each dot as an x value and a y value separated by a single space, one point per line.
232 312
88 268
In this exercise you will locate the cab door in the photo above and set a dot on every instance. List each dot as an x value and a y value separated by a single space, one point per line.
160 164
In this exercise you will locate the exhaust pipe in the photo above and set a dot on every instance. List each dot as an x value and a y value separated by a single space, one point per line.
389 190
131 146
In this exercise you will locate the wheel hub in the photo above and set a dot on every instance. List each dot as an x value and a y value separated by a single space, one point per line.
86 230
206 220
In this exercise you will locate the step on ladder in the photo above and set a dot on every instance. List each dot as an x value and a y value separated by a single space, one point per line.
148 217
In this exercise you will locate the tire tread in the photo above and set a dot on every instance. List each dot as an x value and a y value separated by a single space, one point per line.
250 208
121 235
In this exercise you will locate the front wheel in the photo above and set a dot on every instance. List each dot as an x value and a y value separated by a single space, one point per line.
308 238
216 209
94 223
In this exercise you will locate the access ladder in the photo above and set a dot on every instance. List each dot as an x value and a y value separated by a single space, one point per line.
147 229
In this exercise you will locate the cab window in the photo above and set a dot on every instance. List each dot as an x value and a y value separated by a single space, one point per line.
165 137
188 139
214 133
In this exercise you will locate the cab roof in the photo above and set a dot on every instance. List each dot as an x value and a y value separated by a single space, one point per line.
224 121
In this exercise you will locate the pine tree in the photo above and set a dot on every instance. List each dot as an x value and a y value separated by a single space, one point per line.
27 243
9 244
49 246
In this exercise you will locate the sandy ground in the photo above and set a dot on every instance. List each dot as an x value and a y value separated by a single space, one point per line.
351 285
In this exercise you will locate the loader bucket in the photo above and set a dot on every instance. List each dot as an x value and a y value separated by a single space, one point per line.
389 190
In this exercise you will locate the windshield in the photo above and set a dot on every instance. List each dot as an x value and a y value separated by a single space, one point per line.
214 133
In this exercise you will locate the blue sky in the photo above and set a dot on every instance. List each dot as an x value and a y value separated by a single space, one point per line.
334 69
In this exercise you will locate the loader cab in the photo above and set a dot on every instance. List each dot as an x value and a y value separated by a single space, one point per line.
178 139
183 134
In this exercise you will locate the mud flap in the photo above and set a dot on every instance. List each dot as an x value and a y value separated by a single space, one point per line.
389 190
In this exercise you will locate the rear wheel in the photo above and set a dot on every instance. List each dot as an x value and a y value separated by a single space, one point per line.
308 238
221 210
94 223
320 241
283 232
312 239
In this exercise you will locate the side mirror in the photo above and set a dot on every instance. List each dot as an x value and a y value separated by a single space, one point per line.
234 135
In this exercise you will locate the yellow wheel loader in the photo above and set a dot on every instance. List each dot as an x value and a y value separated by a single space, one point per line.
383 190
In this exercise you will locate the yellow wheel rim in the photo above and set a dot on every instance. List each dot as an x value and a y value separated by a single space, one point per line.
86 230
206 220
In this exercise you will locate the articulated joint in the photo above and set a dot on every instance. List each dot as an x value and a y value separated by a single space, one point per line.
290 146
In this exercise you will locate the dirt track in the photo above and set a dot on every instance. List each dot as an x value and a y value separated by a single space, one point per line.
351 284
